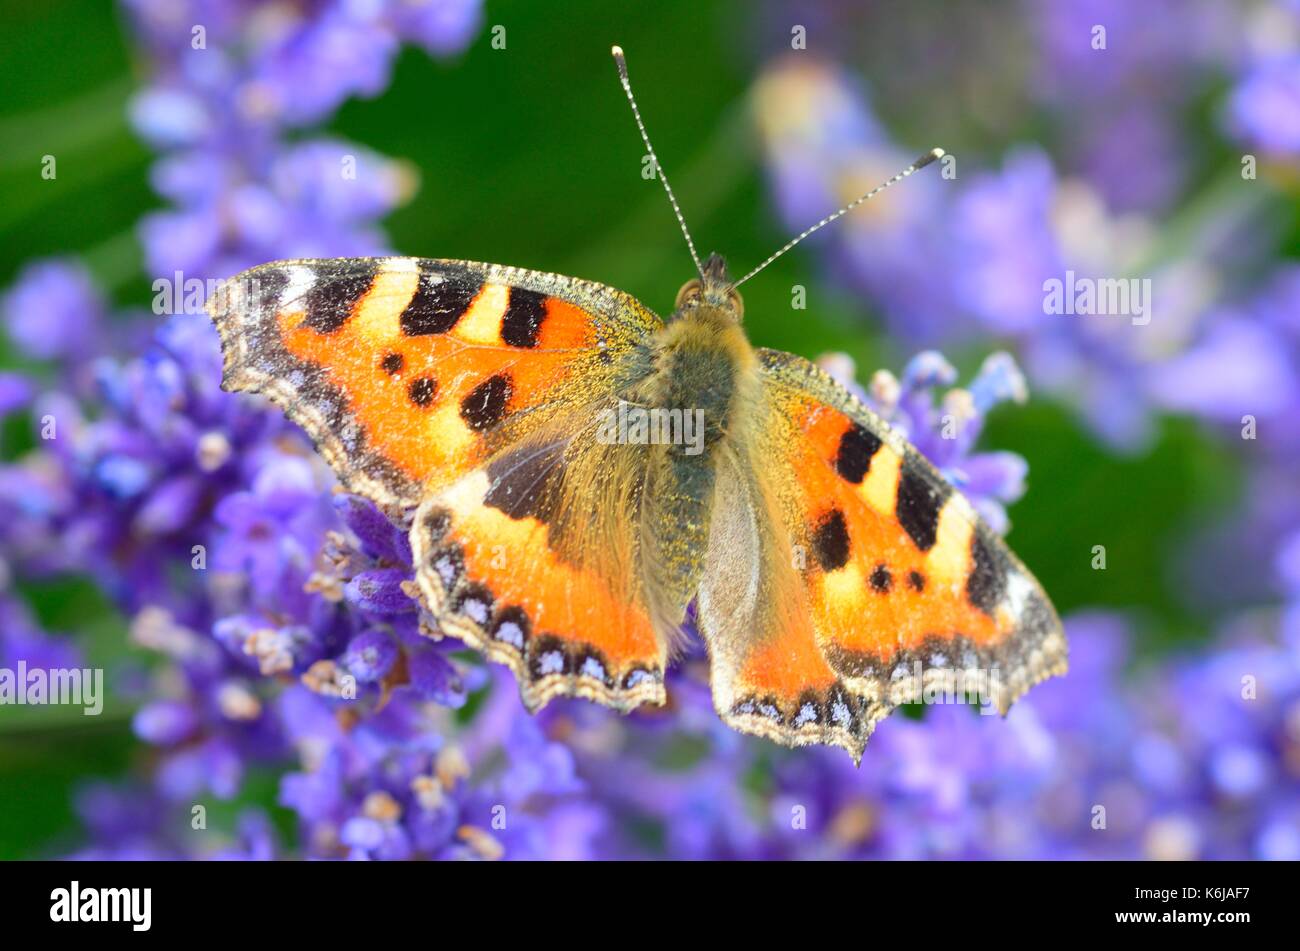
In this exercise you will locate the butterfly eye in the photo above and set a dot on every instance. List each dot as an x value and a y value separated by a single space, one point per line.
737 303
689 294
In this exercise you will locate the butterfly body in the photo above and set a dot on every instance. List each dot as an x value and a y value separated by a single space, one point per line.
704 369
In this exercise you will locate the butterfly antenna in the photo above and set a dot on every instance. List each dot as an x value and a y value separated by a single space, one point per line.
627 88
920 163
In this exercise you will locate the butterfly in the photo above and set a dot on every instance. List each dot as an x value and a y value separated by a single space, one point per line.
585 477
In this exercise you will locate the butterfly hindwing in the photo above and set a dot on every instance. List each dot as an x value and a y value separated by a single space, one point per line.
531 560
874 569
410 372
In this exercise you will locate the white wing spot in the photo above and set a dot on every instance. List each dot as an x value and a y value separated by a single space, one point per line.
840 713
512 634
401 265
301 280
475 610
1019 591
552 662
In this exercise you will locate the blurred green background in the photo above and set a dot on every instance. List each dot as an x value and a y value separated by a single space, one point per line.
532 159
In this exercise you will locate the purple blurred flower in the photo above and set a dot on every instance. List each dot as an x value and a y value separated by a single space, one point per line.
54 311
218 112
825 148
1264 109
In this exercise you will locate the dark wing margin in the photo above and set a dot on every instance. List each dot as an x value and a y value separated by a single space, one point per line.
255 360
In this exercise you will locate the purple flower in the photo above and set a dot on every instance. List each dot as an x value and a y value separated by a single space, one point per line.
23 641
1264 109
1244 366
53 311
219 112
1008 247
1128 88
443 27
164 722
302 74
370 655
15 393
824 149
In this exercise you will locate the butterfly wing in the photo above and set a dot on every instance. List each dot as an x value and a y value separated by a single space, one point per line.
845 576
472 390
532 560
410 372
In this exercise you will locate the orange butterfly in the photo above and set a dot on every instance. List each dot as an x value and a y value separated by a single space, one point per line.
582 471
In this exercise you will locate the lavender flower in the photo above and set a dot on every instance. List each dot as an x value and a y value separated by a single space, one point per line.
218 113
53 311
1261 111
1128 88
825 148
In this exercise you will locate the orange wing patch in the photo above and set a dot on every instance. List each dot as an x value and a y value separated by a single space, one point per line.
428 397
892 555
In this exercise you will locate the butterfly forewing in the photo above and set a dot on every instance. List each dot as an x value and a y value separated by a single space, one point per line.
410 372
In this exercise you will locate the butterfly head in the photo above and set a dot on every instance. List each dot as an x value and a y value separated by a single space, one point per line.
712 291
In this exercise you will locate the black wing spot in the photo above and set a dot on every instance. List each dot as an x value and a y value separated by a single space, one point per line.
881 580
855 664
987 582
853 458
439 302
830 541
919 502
263 287
423 390
485 405
916 580
392 363
329 302
523 318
